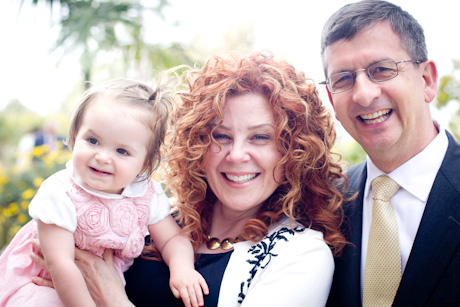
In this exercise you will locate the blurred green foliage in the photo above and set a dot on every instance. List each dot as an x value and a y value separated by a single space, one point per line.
448 94
352 153
93 29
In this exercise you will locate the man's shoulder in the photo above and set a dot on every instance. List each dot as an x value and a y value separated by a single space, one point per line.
356 171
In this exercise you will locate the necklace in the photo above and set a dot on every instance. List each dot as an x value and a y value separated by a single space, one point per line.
225 244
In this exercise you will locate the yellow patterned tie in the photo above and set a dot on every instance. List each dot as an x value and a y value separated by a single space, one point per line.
382 272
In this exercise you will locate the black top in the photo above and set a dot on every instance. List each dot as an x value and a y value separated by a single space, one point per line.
147 281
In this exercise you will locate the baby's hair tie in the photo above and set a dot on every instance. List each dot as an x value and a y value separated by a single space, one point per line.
152 97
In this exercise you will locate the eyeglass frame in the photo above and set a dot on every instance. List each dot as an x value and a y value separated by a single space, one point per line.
328 80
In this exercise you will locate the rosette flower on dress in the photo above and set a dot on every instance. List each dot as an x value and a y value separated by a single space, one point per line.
134 244
100 244
80 239
123 217
142 216
93 218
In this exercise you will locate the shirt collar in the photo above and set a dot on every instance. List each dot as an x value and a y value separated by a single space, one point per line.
134 189
417 174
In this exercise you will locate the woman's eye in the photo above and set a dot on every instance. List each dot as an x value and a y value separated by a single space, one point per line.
93 141
261 138
221 137
122 151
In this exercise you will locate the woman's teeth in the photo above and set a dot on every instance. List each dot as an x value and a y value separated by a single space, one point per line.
240 179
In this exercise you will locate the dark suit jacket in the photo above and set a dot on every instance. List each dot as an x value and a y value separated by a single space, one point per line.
432 273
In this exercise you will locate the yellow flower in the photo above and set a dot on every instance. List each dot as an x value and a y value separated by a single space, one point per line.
12 210
14 207
38 182
28 194
22 218
40 150
3 178
48 161
24 204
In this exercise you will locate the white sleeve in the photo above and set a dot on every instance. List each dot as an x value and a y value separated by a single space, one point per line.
300 275
52 205
160 206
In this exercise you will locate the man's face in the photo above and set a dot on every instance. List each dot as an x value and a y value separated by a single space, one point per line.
389 119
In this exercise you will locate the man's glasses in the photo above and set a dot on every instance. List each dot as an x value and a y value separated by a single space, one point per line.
378 72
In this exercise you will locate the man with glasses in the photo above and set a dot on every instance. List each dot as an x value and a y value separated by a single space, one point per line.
405 244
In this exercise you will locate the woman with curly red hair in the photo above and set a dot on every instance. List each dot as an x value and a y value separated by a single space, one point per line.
250 165
301 131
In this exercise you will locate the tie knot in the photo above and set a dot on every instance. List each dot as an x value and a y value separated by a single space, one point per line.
384 187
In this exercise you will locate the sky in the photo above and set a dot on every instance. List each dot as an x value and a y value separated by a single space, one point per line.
290 29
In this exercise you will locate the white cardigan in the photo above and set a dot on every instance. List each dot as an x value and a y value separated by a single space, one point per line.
286 268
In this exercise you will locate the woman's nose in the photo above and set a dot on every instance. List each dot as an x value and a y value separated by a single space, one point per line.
238 153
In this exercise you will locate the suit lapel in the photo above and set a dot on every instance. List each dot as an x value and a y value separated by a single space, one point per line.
438 236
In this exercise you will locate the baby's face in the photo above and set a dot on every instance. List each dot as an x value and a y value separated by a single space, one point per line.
110 146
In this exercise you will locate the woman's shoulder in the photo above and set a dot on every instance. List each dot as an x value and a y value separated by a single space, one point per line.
289 252
296 238
295 229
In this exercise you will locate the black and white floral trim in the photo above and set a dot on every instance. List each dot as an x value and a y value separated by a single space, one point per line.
261 254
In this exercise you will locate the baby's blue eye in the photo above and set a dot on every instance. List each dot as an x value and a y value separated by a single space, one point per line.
93 141
122 151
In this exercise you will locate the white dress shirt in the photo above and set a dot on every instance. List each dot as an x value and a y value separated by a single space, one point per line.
416 177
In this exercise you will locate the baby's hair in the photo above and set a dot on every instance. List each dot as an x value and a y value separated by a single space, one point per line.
156 100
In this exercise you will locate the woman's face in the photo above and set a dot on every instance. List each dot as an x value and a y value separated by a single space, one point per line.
242 173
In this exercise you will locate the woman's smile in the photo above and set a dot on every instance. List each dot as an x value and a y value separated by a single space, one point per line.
240 178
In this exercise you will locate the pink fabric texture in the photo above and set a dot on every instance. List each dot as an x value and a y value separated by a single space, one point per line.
119 224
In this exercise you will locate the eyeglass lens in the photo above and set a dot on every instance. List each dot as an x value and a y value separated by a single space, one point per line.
381 71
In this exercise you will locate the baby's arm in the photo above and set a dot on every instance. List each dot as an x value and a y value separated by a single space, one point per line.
177 252
58 249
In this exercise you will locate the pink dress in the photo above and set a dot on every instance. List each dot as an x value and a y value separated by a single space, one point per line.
98 221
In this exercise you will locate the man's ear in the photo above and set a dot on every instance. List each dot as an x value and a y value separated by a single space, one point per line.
430 76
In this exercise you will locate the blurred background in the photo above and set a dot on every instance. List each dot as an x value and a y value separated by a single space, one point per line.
51 50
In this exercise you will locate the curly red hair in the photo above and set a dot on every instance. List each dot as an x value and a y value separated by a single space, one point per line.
305 135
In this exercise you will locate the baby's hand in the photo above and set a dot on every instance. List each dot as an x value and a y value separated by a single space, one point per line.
187 285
